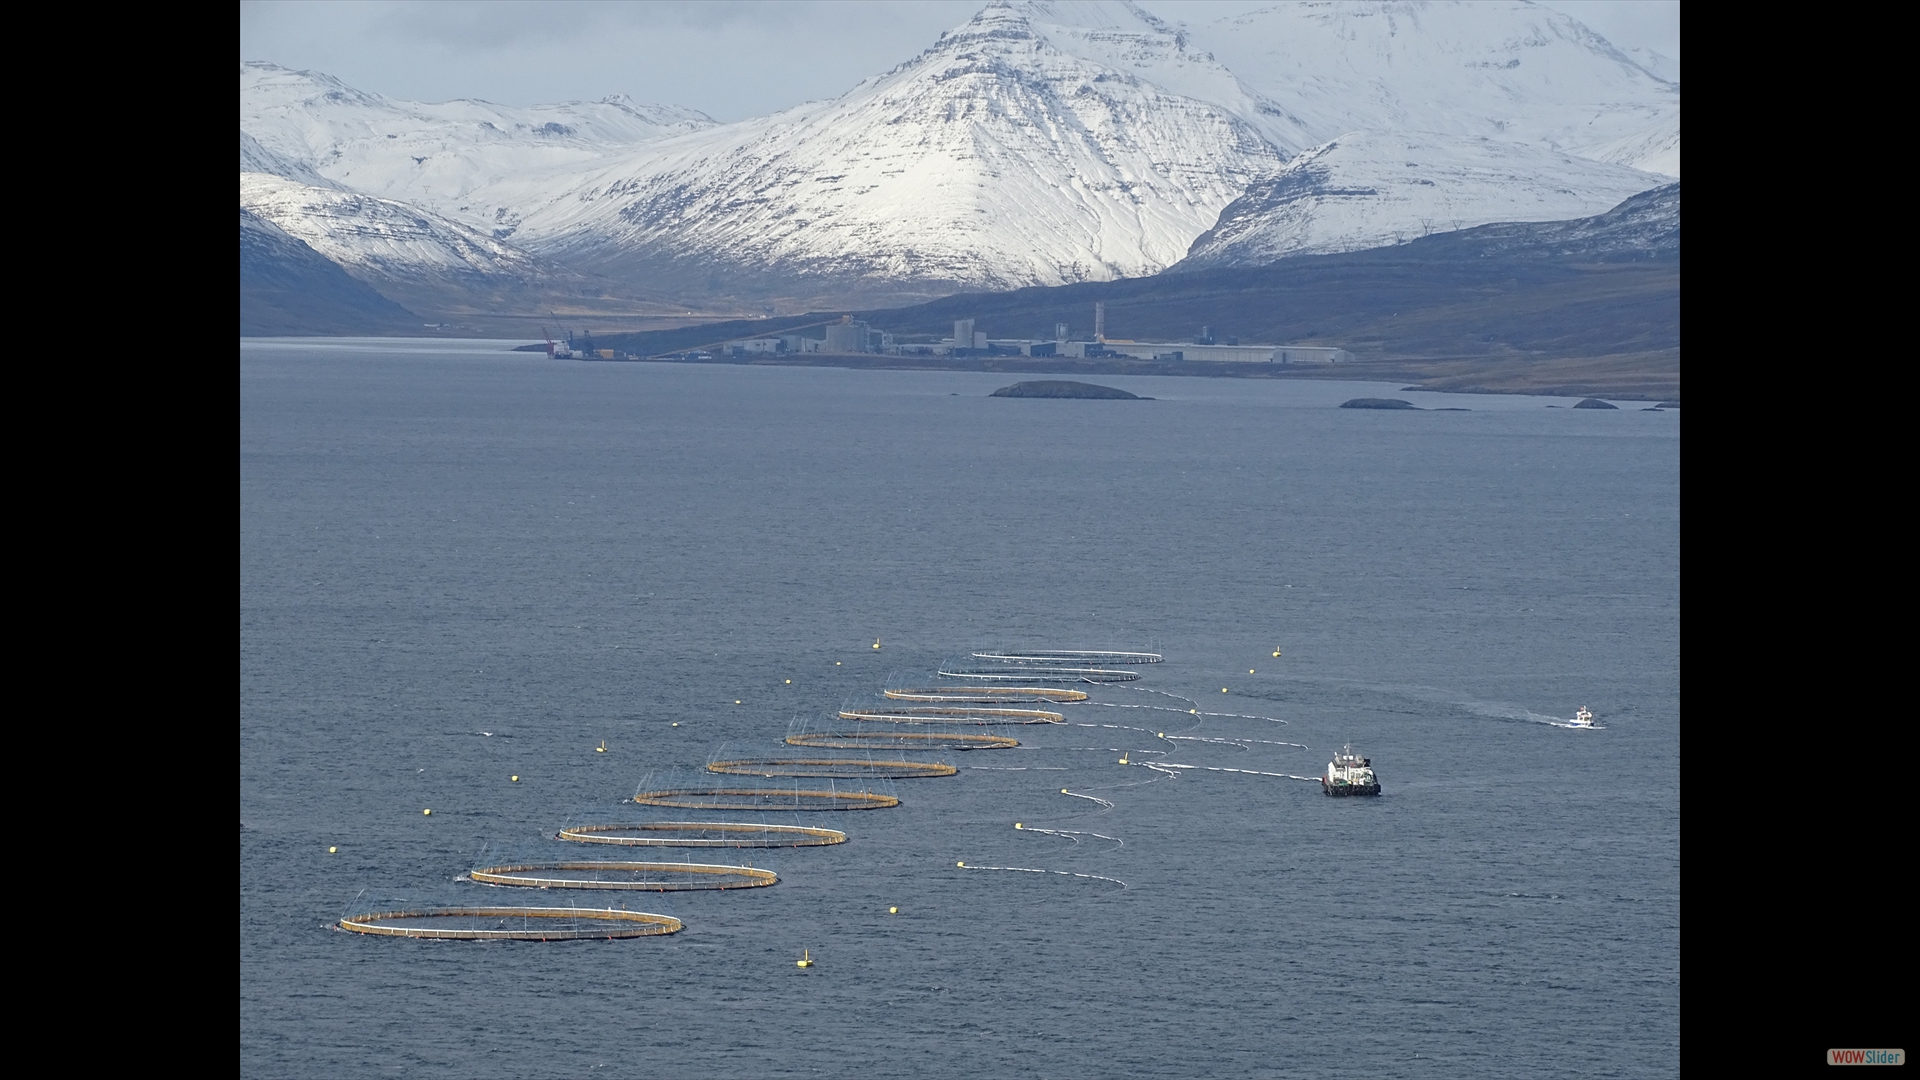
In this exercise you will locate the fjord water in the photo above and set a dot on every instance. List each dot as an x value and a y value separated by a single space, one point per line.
440 540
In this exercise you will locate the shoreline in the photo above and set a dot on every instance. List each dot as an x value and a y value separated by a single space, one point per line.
1616 378
1649 377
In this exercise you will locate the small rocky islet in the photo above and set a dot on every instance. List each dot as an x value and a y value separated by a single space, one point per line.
1063 388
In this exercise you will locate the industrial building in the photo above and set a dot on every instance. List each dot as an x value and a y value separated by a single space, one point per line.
850 337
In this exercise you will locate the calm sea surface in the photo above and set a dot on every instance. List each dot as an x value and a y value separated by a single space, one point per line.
440 540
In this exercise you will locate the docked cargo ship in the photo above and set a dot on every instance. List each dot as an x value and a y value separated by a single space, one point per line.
1350 774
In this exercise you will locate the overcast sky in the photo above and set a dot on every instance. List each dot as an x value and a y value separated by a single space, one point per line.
730 60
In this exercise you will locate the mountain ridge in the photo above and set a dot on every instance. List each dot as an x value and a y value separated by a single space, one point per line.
1040 143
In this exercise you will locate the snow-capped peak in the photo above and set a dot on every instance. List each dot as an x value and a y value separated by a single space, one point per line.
1001 156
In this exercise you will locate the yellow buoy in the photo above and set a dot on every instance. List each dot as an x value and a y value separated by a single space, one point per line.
602 748
1161 735
1223 689
1123 761
876 643
806 959
676 723
332 850
1064 791
1276 652
836 663
736 701
425 812
893 911
1249 671
1017 825
516 779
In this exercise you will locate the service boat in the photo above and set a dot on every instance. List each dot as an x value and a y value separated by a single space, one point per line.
1582 719
1350 774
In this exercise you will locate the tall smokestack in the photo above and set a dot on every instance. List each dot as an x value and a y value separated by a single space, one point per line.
1100 320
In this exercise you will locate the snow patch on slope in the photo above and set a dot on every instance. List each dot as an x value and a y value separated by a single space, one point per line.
255 158
1655 150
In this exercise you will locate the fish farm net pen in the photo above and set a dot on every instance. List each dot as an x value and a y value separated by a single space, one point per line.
511 923
763 799
1067 656
948 714
647 876
986 695
702 834
841 768
1037 674
900 740
698 791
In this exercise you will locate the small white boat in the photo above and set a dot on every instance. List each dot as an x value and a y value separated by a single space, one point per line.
1582 719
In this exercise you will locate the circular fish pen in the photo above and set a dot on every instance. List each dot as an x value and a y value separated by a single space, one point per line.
701 798
703 834
512 924
987 695
645 876
900 740
838 768
1037 674
1067 656
947 714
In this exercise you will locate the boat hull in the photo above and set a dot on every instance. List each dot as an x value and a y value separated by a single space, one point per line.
1349 789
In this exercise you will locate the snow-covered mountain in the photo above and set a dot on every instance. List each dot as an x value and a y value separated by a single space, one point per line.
400 249
1042 142
438 156
1371 189
1499 69
998 158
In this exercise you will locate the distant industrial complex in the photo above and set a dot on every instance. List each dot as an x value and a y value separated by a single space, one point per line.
851 337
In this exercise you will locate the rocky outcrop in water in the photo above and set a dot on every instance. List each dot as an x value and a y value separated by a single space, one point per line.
1062 388
1595 403
1378 403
